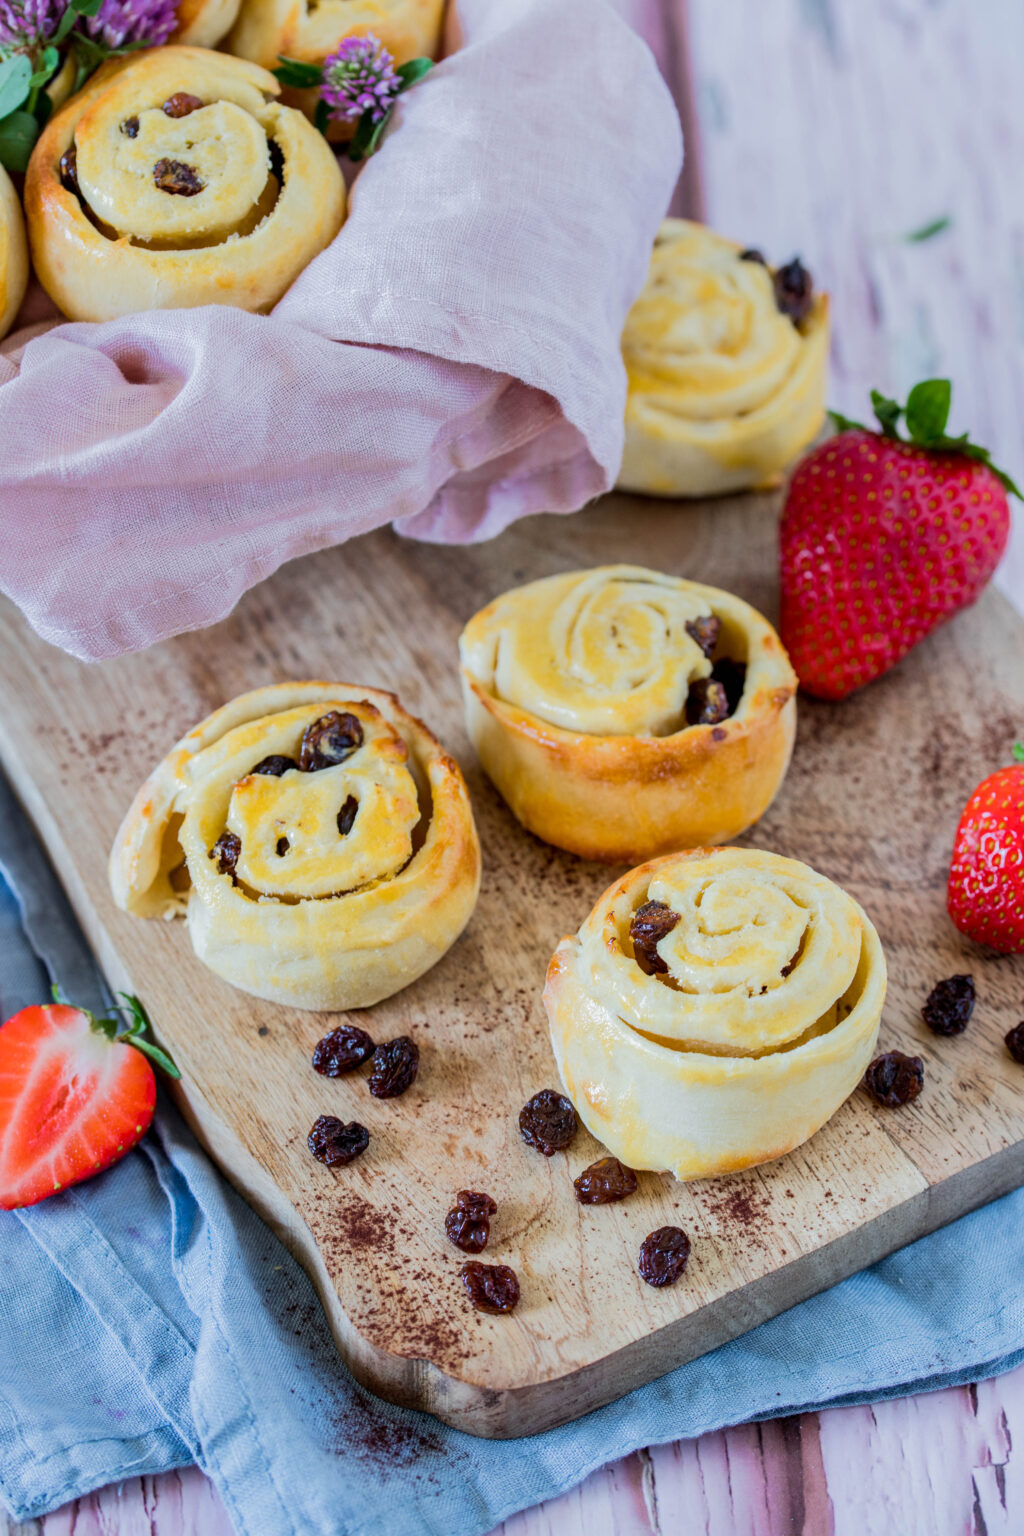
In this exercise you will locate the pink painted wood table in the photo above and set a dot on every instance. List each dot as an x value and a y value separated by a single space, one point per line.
832 128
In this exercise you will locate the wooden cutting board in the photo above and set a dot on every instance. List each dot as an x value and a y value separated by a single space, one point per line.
871 800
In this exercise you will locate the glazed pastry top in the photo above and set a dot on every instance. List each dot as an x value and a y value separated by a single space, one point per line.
613 651
706 335
726 952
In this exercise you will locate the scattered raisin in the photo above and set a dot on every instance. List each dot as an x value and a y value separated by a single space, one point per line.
334 1143
276 162
282 847
794 290
950 1005
274 765
707 702
1015 1042
492 1287
177 178
329 740
647 928
604 1181
227 851
181 104
393 1067
468 1223
705 631
130 127
69 171
342 1050
663 1256
548 1122
733 677
894 1079
750 254
347 815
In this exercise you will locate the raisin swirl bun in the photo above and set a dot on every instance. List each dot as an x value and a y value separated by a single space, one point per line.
715 1009
13 254
176 179
202 23
622 713
309 30
316 837
727 366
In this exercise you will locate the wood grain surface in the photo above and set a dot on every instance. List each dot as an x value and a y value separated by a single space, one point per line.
76 740
913 111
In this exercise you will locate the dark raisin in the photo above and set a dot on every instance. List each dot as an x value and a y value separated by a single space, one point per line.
663 1256
894 1079
648 927
282 847
347 815
1015 1042
705 631
491 1287
276 162
604 1181
548 1122
177 178
706 703
750 254
274 765
950 1005
333 1142
329 740
733 677
794 290
468 1223
393 1067
69 171
130 127
227 850
341 1051
181 104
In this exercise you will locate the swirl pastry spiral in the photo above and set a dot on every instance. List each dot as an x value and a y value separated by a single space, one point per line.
623 713
715 1009
317 838
724 388
309 30
13 254
176 179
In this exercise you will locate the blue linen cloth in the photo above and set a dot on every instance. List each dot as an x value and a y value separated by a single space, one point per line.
148 1319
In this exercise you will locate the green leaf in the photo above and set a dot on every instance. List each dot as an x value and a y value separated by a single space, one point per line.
1018 751
15 82
322 117
845 424
887 411
928 231
51 59
86 7
367 136
413 71
138 1024
296 74
928 410
18 134
65 24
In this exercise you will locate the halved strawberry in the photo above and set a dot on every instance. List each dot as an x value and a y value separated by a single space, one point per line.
76 1094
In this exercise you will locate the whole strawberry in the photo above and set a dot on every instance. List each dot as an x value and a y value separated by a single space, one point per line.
985 895
884 538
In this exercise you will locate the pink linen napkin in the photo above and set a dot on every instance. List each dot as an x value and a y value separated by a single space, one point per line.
450 363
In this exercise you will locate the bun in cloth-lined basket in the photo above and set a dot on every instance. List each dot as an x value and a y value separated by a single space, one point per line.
318 840
715 1009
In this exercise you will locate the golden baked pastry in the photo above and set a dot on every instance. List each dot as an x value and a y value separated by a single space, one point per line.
176 179
725 389
202 23
309 30
715 1009
317 838
13 254
622 713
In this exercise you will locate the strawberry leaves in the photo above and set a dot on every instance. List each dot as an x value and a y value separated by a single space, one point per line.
925 415
125 1024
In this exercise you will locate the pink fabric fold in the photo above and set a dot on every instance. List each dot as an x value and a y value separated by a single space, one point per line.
450 363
